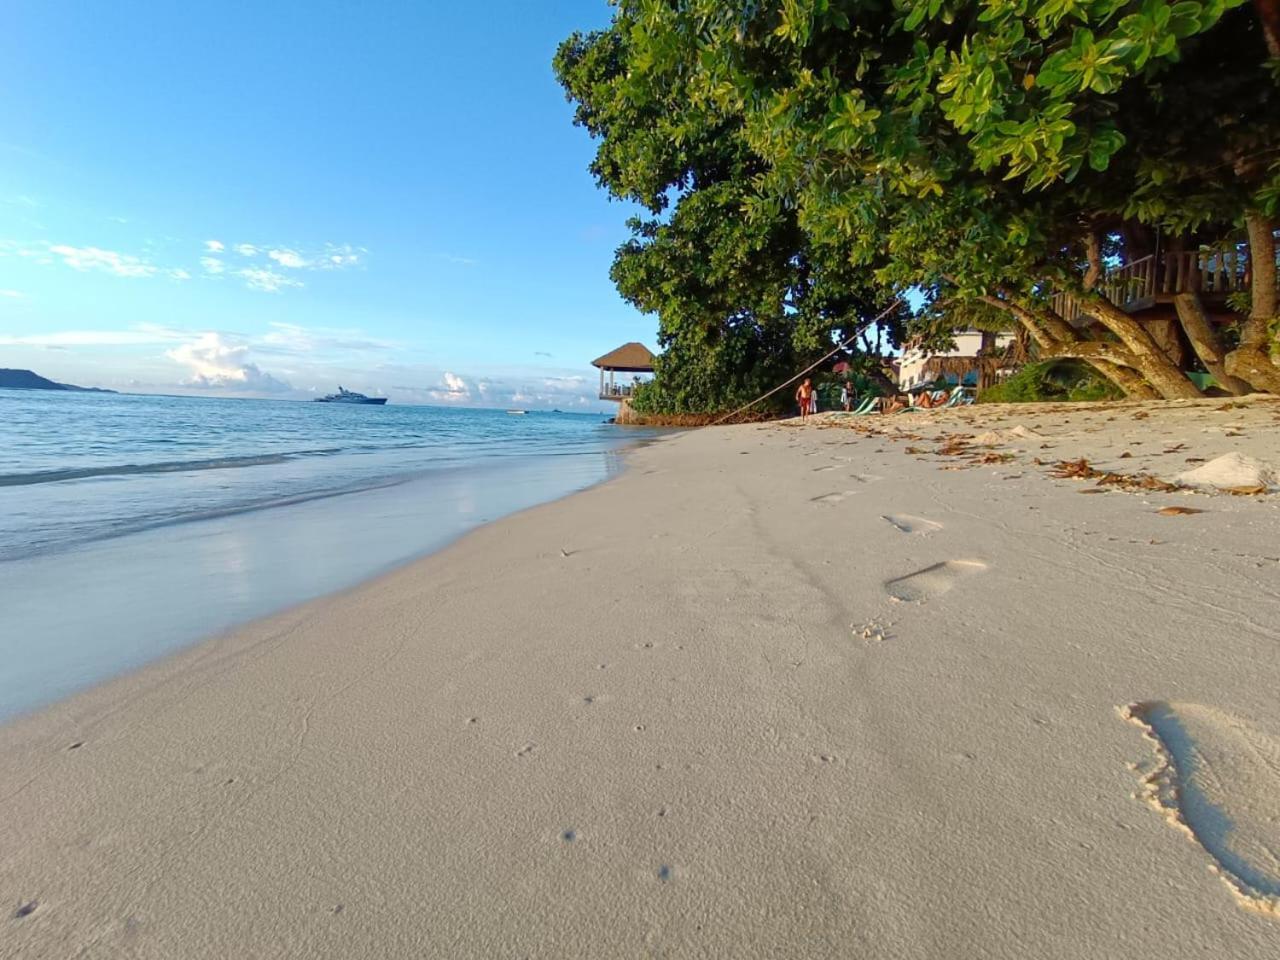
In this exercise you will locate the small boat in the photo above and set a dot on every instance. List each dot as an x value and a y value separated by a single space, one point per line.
350 396
517 413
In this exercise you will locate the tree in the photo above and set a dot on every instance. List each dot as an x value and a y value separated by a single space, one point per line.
989 152
742 302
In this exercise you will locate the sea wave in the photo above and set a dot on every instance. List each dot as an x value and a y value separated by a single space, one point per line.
168 466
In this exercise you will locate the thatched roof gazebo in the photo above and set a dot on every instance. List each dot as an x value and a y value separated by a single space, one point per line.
629 358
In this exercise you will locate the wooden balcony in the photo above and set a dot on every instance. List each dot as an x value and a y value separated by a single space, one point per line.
1140 285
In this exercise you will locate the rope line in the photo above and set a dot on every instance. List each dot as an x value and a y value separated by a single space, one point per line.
856 333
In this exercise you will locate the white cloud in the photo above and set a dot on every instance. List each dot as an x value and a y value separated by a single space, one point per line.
267 280
246 250
212 265
179 274
95 258
13 294
339 257
214 246
451 389
290 338
218 363
288 258
142 334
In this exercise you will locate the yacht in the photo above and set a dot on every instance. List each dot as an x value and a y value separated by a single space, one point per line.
350 396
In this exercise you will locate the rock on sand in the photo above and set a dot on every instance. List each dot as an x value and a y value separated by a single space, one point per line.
1230 470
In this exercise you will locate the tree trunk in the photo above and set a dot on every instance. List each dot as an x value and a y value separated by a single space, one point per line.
1057 338
1205 342
1127 379
1106 351
1170 382
1093 251
1269 14
1251 361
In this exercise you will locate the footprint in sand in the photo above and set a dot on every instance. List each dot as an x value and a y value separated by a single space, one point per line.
932 582
909 524
1217 778
833 497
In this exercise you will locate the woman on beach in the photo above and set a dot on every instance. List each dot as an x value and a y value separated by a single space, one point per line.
804 397
846 396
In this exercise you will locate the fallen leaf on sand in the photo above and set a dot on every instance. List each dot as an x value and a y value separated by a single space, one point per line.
993 458
1075 469
1175 448
1126 455
1137 481
1177 511
1245 491
1141 415
1082 470
1091 490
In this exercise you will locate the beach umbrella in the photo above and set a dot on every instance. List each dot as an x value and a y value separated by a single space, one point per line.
841 367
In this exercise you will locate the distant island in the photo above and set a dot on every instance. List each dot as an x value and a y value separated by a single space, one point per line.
27 380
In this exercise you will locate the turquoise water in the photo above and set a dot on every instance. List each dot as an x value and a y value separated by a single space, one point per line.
131 526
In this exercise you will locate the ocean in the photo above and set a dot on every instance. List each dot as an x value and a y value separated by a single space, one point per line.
131 526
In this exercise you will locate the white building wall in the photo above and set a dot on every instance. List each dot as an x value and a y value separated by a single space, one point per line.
968 343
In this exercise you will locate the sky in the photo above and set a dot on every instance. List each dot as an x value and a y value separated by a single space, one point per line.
270 199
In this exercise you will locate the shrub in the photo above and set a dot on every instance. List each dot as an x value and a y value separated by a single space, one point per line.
1070 380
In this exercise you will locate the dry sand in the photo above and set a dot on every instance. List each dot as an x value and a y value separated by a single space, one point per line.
772 693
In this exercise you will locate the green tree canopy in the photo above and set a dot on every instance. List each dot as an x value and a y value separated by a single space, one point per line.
987 153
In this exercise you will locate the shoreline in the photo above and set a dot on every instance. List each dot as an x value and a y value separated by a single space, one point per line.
768 692
195 579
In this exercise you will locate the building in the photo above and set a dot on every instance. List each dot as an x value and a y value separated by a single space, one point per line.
965 364
633 358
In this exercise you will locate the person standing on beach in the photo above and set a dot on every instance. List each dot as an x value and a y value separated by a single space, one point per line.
804 397
846 398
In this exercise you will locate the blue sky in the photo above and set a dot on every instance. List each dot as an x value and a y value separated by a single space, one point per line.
271 198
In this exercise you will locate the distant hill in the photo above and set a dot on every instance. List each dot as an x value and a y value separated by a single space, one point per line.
26 380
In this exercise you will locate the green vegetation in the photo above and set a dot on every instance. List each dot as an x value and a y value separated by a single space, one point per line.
801 162
1071 380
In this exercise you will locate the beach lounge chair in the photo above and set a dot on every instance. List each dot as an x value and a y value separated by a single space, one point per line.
867 406
1205 381
936 396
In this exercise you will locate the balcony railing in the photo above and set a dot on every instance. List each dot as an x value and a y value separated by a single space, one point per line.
616 391
1137 285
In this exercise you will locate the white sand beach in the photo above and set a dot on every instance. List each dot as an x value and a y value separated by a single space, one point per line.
772 692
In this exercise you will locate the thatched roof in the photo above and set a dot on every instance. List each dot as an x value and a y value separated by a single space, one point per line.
629 358
935 367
